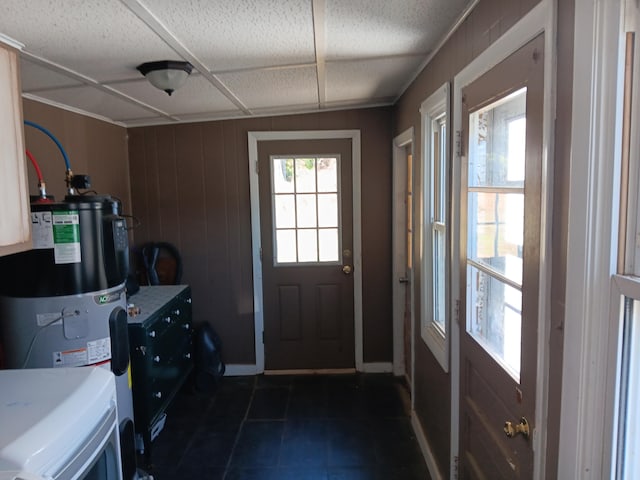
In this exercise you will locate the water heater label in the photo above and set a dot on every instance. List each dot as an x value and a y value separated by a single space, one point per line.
99 350
70 358
66 237
42 230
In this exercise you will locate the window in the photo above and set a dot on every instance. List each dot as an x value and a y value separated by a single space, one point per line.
306 212
434 296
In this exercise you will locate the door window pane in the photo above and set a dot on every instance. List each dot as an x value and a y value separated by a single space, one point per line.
494 318
495 226
497 142
306 202
439 279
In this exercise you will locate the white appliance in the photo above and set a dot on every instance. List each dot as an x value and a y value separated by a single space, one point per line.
59 424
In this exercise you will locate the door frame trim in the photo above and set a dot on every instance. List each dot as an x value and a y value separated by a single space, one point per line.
264 136
541 19
400 143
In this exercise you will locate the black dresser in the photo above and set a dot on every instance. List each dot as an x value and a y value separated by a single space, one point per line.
160 345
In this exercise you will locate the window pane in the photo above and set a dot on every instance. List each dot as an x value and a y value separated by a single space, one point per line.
307 245
285 246
327 174
497 142
328 210
282 169
285 211
494 318
305 175
328 245
495 231
306 210
439 281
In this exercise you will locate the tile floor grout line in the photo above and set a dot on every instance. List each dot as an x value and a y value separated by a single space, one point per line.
242 424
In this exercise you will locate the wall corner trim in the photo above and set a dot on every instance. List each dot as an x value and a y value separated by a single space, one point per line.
426 449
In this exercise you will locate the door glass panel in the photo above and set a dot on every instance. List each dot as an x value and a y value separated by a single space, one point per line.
494 318
328 210
328 241
327 174
306 204
307 245
497 142
285 211
439 262
282 175
495 226
305 175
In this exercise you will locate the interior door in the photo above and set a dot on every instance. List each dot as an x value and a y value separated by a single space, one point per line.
306 222
499 259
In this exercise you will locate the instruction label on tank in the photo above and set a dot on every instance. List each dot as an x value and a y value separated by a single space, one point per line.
70 358
42 230
66 237
99 350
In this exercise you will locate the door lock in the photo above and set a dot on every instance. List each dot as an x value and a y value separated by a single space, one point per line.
347 269
512 430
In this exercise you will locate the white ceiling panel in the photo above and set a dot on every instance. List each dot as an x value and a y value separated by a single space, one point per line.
37 77
370 28
349 81
250 57
96 101
238 34
197 95
99 39
274 88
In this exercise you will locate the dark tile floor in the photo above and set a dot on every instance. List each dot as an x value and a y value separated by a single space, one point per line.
340 427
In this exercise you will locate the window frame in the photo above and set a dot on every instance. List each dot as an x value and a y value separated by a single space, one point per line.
435 196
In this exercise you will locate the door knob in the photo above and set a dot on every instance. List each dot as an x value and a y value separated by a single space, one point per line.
347 269
512 430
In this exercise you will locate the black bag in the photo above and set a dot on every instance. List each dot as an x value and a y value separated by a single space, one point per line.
208 365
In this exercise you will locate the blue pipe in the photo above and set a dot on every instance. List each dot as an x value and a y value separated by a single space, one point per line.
52 137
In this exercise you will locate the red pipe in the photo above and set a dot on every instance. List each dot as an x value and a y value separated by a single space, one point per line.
36 166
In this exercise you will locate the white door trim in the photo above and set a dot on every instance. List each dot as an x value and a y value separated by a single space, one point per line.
540 19
399 222
253 139
589 361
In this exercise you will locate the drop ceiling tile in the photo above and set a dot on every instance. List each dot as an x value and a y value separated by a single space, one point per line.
369 28
197 95
99 39
236 34
274 88
37 77
370 79
93 100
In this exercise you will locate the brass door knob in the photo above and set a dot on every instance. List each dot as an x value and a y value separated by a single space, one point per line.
512 430
346 269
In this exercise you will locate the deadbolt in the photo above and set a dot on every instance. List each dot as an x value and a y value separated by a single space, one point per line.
347 269
512 430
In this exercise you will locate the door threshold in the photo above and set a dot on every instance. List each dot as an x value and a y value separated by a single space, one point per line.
312 371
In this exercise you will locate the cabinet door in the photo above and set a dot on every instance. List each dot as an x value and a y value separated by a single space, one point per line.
15 224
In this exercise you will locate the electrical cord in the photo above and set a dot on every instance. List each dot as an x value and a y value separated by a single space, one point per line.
40 330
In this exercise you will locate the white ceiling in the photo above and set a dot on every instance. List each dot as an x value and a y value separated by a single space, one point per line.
250 57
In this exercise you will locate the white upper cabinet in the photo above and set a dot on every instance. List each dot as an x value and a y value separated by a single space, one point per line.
15 217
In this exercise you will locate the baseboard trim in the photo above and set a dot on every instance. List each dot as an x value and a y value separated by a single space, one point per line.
312 371
239 370
377 367
427 452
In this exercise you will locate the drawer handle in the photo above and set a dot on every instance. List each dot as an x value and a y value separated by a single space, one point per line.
188 300
176 311
158 394
186 326
156 359
167 319
187 355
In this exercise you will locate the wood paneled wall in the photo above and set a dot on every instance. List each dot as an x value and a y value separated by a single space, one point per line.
190 187
94 147
486 23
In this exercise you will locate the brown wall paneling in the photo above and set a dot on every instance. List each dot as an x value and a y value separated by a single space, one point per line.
194 191
94 147
485 24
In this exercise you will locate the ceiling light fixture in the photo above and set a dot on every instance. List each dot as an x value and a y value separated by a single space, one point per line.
167 75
